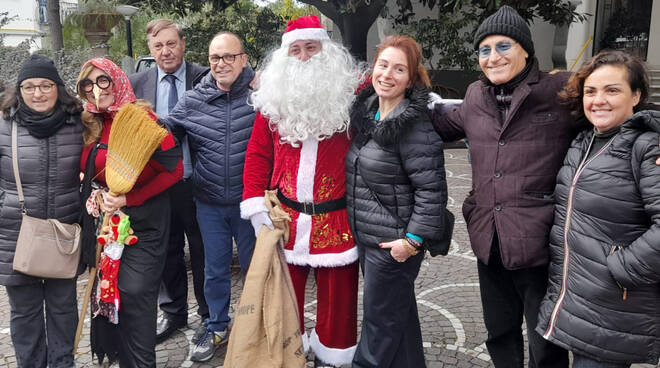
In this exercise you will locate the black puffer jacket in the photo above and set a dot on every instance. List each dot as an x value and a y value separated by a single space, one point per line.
606 237
49 170
401 158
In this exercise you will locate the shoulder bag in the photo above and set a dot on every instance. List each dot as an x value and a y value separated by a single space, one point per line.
45 248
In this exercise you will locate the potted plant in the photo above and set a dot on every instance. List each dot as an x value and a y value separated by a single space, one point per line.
97 18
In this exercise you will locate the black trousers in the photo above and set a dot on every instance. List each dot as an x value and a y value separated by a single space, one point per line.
37 342
173 294
391 336
507 296
134 338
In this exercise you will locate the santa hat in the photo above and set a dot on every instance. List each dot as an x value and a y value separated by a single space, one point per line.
304 28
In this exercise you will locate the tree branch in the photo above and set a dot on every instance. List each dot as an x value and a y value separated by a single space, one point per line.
326 8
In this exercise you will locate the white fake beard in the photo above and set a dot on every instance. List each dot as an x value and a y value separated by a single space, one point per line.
310 99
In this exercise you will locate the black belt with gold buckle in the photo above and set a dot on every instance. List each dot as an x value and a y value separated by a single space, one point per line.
311 208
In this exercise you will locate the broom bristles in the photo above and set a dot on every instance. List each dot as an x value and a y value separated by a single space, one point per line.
134 137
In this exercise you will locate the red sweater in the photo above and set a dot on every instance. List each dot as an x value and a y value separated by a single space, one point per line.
153 180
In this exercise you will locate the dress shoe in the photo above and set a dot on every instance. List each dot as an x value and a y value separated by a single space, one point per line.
166 327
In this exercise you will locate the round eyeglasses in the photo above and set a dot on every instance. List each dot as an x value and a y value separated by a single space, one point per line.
102 81
502 48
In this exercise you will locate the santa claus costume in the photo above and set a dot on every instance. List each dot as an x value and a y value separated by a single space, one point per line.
298 145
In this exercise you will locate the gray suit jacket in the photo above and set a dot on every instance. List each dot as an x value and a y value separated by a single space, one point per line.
145 83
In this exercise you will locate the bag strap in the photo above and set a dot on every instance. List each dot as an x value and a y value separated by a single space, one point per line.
58 226
14 159
373 193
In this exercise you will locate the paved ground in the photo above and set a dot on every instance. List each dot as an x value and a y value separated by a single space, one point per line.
447 296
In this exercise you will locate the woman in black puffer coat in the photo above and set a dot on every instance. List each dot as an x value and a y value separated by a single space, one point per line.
44 312
603 299
396 196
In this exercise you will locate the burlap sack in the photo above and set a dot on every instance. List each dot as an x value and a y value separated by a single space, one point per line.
266 331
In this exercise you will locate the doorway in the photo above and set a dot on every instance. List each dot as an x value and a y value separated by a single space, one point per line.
623 25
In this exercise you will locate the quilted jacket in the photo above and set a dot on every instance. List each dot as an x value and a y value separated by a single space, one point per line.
603 298
218 125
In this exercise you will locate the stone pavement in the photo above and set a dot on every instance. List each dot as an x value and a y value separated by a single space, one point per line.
447 297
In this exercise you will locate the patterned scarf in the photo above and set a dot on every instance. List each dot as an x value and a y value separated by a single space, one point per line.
121 86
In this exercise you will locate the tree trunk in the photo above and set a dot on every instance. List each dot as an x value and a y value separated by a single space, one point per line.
55 25
354 32
354 26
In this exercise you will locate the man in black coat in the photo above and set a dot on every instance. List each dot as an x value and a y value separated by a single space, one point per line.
163 86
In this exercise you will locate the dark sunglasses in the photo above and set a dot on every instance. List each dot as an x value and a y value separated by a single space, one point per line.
103 81
502 48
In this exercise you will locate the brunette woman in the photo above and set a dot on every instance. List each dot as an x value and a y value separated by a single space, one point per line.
43 311
603 294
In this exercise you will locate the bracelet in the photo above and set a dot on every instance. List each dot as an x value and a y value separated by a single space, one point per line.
414 243
411 235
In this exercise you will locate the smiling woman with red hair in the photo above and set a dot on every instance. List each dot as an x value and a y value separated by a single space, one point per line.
396 196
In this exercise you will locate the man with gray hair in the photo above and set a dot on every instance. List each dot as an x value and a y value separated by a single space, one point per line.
163 86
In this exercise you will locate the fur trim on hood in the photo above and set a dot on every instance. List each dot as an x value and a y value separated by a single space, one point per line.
387 131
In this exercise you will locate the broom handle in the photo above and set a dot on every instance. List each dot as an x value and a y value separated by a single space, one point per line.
88 290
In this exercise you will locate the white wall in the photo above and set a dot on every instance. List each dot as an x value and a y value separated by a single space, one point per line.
653 55
542 33
579 33
24 25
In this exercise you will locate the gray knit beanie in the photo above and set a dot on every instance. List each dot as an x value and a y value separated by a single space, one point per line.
506 21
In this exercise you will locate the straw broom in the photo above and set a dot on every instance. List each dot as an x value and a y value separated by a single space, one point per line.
134 137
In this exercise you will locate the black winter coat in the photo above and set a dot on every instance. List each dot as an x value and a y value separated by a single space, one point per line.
49 170
401 159
605 242
218 125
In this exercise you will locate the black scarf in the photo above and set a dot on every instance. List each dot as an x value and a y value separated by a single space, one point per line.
87 221
41 125
503 93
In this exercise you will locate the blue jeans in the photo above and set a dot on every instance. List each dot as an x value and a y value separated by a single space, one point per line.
581 361
218 225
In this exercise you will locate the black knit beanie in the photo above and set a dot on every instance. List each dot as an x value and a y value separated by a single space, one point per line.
37 66
506 21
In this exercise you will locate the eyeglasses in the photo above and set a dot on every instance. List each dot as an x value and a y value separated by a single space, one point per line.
228 59
44 88
502 48
103 81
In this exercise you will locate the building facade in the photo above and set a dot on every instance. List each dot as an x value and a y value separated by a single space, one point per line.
630 25
29 21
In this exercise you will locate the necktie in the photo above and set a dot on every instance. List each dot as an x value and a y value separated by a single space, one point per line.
174 95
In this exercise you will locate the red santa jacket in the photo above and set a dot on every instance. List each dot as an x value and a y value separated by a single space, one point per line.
312 172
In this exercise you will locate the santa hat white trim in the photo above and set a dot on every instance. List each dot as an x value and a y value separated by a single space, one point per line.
317 34
334 356
251 206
